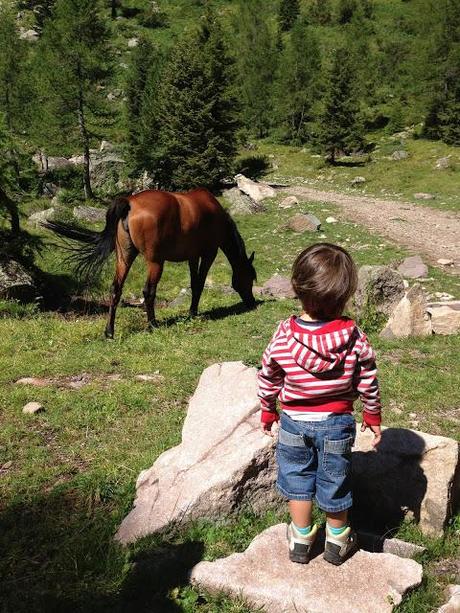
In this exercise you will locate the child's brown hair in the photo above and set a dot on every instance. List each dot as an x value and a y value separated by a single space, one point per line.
324 278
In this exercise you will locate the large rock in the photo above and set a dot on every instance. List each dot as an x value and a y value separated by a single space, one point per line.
304 223
89 213
15 282
223 460
453 604
105 170
410 317
36 219
264 576
278 287
256 191
410 475
413 267
380 288
241 203
445 317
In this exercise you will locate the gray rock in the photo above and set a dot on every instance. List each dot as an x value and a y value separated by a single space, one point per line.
31 408
358 181
211 472
15 282
133 42
29 35
106 146
240 203
399 155
445 317
413 267
424 196
56 163
50 189
40 216
380 288
89 213
443 163
453 604
410 317
375 543
255 190
288 202
278 287
304 223
264 576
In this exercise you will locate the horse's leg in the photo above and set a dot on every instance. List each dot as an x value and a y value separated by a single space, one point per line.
205 265
154 270
126 255
193 265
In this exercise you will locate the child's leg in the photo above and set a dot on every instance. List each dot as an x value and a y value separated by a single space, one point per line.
300 511
337 520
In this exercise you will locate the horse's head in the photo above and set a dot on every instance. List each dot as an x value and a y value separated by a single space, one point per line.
243 278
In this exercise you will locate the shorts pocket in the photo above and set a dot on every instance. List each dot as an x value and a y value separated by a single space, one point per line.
337 456
294 456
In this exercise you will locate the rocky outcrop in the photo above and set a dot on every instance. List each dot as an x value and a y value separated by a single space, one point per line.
379 288
264 576
410 317
256 191
36 219
445 317
223 461
240 203
15 282
89 213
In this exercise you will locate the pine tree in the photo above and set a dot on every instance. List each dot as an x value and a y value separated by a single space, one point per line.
287 14
340 125
443 118
73 61
298 86
256 61
196 113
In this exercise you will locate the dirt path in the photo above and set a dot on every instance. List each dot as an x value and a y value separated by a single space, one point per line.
425 231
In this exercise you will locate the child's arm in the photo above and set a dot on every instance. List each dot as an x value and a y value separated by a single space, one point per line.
271 379
367 386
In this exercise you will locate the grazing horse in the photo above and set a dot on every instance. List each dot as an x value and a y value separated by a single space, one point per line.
162 226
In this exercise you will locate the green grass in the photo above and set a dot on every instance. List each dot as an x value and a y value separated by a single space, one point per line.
74 467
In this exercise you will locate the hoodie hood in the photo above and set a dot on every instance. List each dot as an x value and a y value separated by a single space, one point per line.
323 349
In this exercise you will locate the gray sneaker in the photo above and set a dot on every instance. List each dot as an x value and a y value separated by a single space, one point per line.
339 548
299 545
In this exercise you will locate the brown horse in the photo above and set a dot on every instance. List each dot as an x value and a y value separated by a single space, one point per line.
163 226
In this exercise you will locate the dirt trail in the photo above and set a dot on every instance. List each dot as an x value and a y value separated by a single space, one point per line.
430 232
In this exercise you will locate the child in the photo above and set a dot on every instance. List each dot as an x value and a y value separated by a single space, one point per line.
317 365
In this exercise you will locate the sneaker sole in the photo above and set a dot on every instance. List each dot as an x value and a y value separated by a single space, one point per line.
298 558
336 559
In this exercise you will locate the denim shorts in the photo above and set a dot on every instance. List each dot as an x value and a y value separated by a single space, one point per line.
314 460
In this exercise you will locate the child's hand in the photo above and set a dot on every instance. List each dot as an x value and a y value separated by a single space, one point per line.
376 430
267 429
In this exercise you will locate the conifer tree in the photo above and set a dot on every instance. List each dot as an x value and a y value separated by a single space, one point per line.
298 86
73 60
340 130
196 113
256 61
287 14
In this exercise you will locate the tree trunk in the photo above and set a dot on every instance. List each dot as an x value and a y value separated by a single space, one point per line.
85 140
12 209
113 5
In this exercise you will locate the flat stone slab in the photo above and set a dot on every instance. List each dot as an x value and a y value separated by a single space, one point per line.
264 577
223 461
413 267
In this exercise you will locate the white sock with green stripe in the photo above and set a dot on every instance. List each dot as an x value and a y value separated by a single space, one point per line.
337 531
303 531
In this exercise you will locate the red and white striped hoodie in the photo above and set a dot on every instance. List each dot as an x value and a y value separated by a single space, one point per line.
325 369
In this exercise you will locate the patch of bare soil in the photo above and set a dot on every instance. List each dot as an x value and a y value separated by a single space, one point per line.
76 382
430 232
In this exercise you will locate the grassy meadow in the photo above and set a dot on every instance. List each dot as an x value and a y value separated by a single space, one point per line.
67 475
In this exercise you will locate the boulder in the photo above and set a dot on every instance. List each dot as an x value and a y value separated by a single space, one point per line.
56 163
256 191
410 475
410 317
424 196
264 576
278 287
379 287
15 282
223 460
399 155
453 604
358 181
445 317
40 216
89 213
240 203
288 202
413 267
442 163
105 170
304 223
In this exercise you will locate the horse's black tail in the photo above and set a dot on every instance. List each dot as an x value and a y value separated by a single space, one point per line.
89 259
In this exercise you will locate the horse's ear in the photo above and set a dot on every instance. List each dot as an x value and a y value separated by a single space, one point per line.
251 257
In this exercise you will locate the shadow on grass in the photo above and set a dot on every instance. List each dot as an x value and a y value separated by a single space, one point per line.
59 555
212 314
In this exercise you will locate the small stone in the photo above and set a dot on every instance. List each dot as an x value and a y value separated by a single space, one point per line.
424 196
156 377
445 262
303 223
133 42
358 181
33 407
443 163
413 415
399 155
413 267
331 220
288 202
